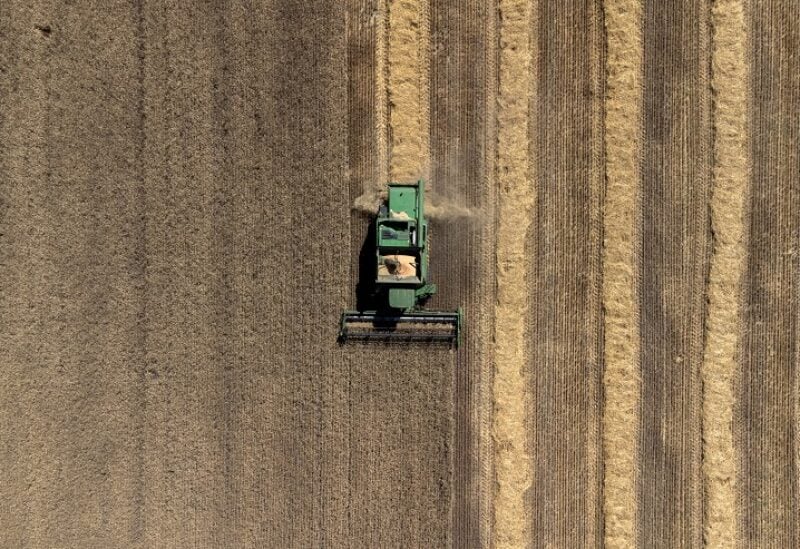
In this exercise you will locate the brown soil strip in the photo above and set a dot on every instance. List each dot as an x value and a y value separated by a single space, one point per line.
623 20
676 182
462 260
516 198
400 411
407 83
766 438
564 247
730 79
366 108
367 164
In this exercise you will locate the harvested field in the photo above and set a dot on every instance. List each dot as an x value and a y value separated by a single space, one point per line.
185 192
768 432
564 242
674 250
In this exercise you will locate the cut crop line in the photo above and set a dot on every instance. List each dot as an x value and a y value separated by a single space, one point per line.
408 79
730 77
381 95
516 197
484 411
594 458
621 379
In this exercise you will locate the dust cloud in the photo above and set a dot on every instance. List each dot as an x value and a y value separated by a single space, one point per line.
437 206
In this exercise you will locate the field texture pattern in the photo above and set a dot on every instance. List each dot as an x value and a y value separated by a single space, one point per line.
185 198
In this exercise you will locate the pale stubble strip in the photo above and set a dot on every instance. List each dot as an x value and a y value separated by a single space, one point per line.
730 77
381 22
623 19
516 196
408 75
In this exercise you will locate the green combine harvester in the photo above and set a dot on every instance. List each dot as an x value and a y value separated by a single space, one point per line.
401 277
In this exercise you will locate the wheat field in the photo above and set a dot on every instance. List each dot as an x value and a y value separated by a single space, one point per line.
615 200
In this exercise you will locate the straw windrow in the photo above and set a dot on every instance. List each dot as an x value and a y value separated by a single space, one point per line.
623 20
730 75
516 196
408 70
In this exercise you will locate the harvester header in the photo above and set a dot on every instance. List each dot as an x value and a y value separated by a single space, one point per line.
401 277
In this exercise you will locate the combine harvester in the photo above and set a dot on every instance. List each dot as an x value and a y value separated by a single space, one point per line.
401 277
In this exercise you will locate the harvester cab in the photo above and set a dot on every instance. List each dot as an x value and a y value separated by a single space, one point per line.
401 282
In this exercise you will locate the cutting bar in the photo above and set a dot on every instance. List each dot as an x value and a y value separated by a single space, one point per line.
435 326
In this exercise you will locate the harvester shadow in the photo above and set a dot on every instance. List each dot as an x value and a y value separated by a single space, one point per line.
366 292
367 296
